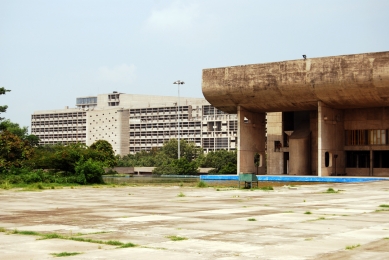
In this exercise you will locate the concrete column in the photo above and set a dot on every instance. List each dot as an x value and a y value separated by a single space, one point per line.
275 159
123 132
330 140
299 155
251 140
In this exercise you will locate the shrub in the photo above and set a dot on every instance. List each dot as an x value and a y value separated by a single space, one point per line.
32 177
89 172
164 170
229 168
201 184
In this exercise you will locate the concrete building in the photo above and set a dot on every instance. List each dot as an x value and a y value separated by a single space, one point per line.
324 116
132 123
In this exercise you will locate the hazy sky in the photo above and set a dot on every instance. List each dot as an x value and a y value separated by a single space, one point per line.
54 51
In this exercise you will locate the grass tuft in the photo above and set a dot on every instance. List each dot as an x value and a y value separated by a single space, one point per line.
308 212
114 243
6 185
266 188
331 190
251 219
176 238
201 184
181 194
25 232
384 206
352 247
51 236
126 245
65 254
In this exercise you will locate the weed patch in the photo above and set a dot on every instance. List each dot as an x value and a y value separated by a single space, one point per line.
6 185
352 247
65 254
308 212
384 206
202 184
176 238
26 232
251 219
51 236
380 210
181 194
331 190
71 237
126 245
266 188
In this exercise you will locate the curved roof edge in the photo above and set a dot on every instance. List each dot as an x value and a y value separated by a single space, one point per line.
346 81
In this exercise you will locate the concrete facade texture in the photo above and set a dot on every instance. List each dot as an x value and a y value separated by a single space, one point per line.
132 123
325 116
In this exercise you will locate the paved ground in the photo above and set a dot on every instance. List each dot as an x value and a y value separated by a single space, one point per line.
215 223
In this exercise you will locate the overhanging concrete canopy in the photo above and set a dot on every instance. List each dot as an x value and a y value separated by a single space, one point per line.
347 81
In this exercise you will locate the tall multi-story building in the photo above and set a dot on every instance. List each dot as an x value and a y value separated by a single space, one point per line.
132 123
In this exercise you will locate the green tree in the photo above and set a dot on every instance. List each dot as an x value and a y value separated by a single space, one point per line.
177 167
104 153
89 172
185 167
59 157
21 132
3 108
188 150
223 161
13 150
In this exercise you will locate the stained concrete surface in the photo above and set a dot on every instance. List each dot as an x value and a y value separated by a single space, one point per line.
214 222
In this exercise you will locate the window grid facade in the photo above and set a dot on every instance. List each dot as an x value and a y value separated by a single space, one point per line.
151 123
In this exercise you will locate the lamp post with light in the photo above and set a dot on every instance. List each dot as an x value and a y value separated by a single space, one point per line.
179 82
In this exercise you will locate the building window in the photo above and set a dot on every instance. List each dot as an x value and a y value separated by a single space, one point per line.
377 137
356 137
277 146
364 137
381 159
327 159
358 159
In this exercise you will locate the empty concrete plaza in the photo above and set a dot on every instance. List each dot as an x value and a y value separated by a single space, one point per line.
289 222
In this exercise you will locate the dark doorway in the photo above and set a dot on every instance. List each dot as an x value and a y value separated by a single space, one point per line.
286 163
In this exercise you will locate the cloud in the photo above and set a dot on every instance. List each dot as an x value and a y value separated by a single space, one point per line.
119 74
176 17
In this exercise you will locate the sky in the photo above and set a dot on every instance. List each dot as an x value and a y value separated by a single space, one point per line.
52 52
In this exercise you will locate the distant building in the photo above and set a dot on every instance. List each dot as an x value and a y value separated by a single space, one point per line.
132 123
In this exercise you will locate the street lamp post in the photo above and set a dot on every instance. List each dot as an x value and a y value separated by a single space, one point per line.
179 82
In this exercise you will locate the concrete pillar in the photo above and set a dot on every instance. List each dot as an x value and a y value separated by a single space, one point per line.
275 158
299 155
330 140
251 140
